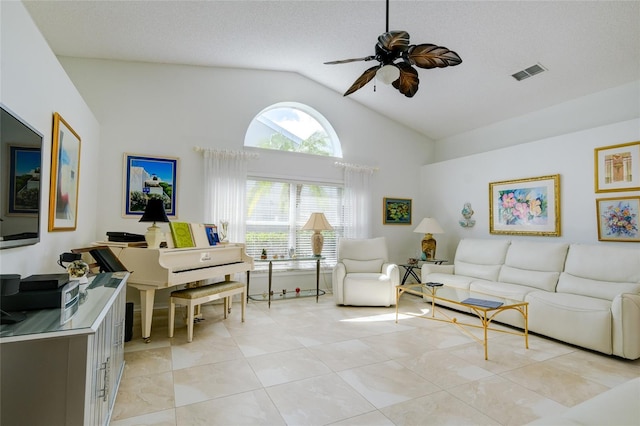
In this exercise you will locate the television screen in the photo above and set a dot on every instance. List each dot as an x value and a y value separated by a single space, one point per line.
21 159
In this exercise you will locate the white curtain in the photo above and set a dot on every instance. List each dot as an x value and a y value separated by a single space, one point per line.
225 182
357 200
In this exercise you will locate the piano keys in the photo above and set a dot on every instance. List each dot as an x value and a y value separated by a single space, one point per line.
153 269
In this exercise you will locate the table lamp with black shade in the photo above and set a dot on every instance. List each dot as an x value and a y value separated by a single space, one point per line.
154 212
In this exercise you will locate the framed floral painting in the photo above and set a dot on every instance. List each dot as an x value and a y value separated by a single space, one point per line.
618 219
525 206
396 211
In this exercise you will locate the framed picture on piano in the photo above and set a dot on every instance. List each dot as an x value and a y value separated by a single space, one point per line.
148 177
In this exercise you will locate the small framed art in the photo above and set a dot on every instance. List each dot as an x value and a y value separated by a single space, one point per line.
617 167
148 177
396 211
525 206
24 180
618 219
65 176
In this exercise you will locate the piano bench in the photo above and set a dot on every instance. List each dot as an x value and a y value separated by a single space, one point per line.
192 297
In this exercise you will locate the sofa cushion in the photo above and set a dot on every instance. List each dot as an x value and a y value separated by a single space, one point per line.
579 320
548 257
534 264
607 290
604 263
354 266
483 272
457 281
537 279
500 289
480 258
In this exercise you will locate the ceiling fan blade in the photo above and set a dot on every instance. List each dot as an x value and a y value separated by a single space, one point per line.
346 61
432 56
394 41
366 77
407 83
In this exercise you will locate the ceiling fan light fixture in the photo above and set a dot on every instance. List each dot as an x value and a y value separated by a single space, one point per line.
388 74
396 57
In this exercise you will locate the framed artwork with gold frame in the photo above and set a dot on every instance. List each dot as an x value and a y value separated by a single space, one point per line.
528 206
618 219
617 167
396 211
65 176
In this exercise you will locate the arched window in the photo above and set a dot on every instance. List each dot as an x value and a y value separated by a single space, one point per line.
278 207
294 127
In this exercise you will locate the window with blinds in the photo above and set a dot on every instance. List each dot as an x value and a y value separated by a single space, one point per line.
276 212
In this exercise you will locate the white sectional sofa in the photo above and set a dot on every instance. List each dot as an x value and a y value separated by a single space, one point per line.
586 295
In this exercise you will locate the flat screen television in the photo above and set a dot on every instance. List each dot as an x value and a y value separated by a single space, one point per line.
21 186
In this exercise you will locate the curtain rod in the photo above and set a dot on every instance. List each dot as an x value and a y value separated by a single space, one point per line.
227 152
357 167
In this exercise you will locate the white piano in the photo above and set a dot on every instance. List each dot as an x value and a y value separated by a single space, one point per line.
153 269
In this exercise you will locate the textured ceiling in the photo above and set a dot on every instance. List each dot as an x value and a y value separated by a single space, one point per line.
587 47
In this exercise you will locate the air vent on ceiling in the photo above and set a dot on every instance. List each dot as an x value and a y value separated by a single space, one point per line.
529 72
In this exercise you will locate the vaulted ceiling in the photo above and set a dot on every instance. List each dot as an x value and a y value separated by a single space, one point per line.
586 47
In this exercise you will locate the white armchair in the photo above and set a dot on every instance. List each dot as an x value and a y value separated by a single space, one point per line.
363 275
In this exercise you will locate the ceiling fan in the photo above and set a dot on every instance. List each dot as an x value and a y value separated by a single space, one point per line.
396 59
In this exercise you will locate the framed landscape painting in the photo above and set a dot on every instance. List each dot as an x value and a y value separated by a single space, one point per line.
65 177
147 177
396 211
617 167
24 180
618 219
525 206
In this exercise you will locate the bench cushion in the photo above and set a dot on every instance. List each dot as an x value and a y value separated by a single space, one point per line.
207 290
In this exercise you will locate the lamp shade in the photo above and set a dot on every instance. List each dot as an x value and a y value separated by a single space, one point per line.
388 73
317 222
154 212
428 225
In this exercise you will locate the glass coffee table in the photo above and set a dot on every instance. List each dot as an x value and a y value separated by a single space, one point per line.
485 307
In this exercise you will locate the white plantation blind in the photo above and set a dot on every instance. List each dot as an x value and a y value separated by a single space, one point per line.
277 210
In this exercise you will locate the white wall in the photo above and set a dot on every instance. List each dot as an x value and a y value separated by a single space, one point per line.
598 109
449 184
166 110
34 86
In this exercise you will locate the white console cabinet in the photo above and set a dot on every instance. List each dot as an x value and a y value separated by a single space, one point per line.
66 373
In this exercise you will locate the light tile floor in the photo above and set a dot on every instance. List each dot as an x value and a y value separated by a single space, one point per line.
308 363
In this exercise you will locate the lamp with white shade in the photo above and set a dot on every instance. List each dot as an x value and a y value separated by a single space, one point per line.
316 223
388 73
154 212
429 226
